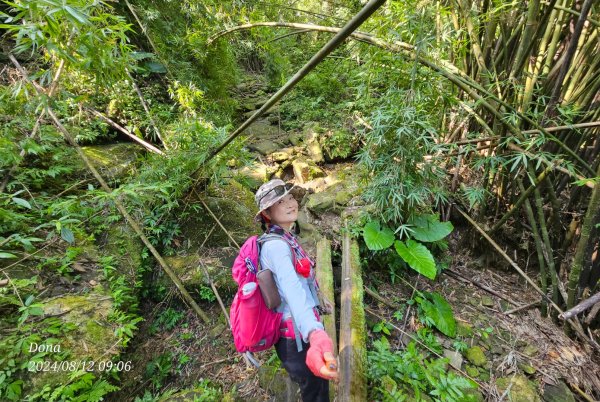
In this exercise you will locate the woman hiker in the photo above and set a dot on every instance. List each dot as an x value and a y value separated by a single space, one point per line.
315 364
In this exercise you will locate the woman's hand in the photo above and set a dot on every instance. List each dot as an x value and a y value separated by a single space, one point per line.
319 357
326 306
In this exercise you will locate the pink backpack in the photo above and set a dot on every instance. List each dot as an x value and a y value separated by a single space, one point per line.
255 327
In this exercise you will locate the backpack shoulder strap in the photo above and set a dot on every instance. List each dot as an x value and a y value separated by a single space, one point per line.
273 236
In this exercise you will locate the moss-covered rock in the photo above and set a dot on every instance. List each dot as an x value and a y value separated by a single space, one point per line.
476 356
464 329
233 204
276 381
265 147
113 161
92 339
122 243
558 393
320 202
262 129
306 170
520 389
253 176
472 371
188 270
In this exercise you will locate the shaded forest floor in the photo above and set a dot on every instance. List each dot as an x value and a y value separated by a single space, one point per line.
529 350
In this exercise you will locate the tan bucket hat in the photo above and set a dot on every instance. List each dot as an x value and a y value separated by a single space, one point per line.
269 193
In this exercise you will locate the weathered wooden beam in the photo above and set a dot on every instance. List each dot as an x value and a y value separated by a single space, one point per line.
353 348
325 278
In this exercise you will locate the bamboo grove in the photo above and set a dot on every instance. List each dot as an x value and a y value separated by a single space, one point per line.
523 125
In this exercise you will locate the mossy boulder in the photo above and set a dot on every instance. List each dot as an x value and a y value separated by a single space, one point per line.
190 272
91 339
113 161
265 147
121 242
233 204
252 176
276 381
476 356
306 170
558 393
320 202
520 389
262 129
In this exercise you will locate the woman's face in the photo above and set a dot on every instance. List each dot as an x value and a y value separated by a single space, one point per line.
284 212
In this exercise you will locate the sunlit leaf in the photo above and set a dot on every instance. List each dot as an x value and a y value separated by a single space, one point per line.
428 228
376 237
7 255
417 256
440 313
21 202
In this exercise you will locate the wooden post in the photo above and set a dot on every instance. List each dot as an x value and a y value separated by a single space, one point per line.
353 350
325 278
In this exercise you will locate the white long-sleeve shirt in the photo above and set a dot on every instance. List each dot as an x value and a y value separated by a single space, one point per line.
297 299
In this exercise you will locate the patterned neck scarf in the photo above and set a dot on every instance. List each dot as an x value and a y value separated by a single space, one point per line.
299 252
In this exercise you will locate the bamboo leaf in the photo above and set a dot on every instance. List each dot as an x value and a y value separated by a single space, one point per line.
7 255
417 256
21 202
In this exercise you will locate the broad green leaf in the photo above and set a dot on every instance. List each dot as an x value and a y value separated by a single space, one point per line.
428 228
7 255
417 256
67 235
377 238
440 312
155 67
21 202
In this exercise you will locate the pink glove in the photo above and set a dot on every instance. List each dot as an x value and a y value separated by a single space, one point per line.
319 357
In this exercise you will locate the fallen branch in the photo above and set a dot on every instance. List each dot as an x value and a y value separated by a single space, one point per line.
377 297
123 130
216 220
134 225
575 324
524 307
584 305
480 286
147 109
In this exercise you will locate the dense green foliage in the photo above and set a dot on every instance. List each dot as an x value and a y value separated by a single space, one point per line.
441 103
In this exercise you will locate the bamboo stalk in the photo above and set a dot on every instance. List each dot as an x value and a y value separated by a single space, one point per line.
524 195
123 130
572 47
